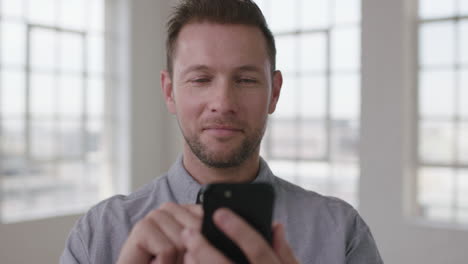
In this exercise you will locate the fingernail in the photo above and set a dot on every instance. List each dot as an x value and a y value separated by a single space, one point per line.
221 215
188 232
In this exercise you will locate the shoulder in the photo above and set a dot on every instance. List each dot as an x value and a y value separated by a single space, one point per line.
131 207
99 234
297 194
312 206
327 219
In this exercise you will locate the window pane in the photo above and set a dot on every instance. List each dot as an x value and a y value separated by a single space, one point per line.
13 143
70 94
463 7
436 94
463 34
463 98
11 8
285 13
345 45
95 54
313 99
12 93
42 12
344 140
344 181
314 176
313 48
435 193
43 140
71 52
96 180
284 169
96 97
436 45
43 94
283 139
286 55
313 138
43 49
436 142
96 15
314 13
287 105
71 172
94 140
72 14
345 96
13 48
347 11
463 143
436 8
71 139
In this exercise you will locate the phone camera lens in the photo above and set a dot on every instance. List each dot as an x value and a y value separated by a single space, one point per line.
228 194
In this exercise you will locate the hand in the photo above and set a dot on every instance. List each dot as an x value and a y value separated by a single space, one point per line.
157 237
256 249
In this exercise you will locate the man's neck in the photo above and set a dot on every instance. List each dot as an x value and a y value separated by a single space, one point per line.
246 172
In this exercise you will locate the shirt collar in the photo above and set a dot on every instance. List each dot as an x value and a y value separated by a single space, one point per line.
185 188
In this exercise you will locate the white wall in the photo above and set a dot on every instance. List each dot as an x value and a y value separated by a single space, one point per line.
151 138
388 112
154 132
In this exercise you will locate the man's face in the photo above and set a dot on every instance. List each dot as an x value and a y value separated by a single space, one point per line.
222 91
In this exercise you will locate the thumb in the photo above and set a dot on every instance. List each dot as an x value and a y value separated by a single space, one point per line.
281 246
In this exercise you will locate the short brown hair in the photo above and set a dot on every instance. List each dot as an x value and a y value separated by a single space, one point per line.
244 12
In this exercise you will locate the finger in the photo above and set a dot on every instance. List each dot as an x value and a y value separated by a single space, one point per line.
145 241
199 250
281 246
169 226
189 259
195 209
183 215
248 239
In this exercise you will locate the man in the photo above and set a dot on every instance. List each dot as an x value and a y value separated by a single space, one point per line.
222 84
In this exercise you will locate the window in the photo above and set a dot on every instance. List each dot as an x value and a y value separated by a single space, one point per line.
313 137
54 123
443 111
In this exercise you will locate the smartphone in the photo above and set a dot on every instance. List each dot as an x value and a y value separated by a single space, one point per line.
252 201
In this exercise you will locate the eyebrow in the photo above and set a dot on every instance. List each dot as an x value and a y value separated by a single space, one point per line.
251 68
201 67
197 67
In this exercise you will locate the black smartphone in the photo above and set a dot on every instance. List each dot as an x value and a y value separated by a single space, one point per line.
253 202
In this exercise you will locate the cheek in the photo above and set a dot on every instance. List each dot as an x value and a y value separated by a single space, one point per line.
188 107
257 107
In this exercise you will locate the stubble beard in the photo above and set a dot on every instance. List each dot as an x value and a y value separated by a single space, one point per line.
238 155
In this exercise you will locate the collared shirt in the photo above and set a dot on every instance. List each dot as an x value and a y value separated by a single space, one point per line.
320 230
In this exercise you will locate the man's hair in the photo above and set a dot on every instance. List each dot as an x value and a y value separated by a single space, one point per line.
243 12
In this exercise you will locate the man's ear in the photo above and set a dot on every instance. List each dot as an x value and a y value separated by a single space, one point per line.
276 90
168 91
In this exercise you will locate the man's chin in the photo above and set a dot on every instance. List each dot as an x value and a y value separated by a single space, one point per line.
221 158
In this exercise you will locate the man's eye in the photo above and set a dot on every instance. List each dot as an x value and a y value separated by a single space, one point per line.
247 81
201 80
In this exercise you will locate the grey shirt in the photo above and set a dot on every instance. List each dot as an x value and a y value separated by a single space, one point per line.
320 230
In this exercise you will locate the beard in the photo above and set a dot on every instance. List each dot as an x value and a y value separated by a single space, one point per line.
243 151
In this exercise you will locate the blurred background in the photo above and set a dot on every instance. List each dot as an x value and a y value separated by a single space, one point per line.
374 110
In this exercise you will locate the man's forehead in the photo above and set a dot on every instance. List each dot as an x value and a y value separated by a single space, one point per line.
203 43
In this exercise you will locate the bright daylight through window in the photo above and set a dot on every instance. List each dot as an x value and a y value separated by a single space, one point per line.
313 137
54 127
443 111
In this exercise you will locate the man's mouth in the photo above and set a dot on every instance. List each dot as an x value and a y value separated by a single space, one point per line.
222 130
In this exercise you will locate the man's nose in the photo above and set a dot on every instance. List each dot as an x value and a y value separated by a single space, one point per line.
224 98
